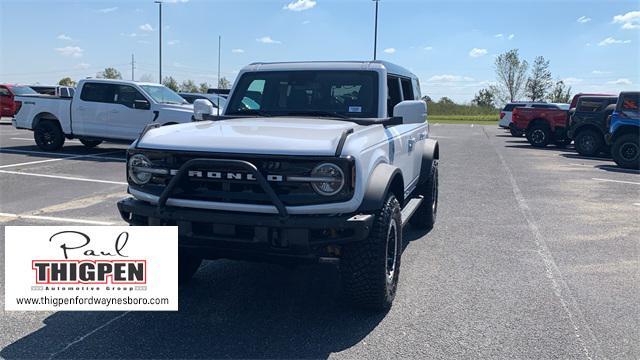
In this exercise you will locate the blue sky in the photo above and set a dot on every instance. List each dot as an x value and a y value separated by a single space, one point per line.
450 45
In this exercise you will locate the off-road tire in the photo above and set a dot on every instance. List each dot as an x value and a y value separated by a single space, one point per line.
425 215
589 142
370 268
90 143
539 135
626 151
48 135
187 266
515 133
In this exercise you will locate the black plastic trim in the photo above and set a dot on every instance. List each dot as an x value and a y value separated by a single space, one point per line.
379 182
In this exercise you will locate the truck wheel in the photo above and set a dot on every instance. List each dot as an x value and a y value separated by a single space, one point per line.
626 151
589 142
90 143
370 268
515 132
538 135
48 135
187 267
425 216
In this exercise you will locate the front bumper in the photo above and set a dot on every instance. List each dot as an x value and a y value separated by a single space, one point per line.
251 236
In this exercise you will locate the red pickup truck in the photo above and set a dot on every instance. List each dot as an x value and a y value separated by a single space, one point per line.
543 123
8 106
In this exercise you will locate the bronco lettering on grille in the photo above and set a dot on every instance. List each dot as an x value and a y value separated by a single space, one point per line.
223 175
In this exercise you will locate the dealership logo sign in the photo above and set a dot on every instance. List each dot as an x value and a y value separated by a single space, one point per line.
91 268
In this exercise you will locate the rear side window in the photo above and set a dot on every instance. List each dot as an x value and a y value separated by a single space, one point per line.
510 107
393 94
97 92
4 91
23 90
629 102
543 106
407 89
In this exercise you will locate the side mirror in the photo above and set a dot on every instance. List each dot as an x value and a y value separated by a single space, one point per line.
202 109
411 111
141 104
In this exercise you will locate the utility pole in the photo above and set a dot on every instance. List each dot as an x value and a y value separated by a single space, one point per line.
375 33
133 66
219 47
159 2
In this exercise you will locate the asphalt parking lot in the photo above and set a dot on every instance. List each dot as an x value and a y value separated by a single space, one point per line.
536 254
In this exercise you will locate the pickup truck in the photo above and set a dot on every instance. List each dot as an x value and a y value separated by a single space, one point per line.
310 162
54 90
624 131
8 93
588 123
115 110
542 123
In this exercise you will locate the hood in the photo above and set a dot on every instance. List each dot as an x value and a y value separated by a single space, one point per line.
282 136
178 107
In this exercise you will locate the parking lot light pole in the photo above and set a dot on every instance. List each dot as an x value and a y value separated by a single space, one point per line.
375 32
159 40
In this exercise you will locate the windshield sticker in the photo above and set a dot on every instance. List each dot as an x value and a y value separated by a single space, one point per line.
355 109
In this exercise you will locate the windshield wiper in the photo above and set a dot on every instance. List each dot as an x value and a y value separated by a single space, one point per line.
318 113
251 112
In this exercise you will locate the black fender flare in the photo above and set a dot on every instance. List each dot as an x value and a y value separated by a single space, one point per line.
430 153
379 185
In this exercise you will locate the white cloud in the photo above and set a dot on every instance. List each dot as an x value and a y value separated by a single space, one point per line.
83 66
499 36
173 42
268 40
64 37
583 19
306 22
300 5
620 82
237 51
600 72
143 42
175 1
511 36
610 41
629 21
449 78
73 51
477 52
108 10
146 27
572 80
428 48
389 50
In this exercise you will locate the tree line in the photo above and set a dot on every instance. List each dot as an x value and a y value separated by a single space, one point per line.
168 81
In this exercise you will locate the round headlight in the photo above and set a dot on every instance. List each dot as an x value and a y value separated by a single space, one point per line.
135 162
334 179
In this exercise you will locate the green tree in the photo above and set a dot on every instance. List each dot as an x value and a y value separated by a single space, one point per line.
446 100
110 73
204 87
560 93
171 83
484 98
188 86
539 83
66 81
223 83
427 99
511 72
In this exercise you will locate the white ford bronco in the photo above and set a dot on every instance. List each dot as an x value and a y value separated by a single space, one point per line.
310 162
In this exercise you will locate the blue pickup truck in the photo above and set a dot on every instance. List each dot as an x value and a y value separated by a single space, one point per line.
624 131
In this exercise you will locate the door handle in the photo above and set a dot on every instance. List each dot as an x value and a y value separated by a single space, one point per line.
412 143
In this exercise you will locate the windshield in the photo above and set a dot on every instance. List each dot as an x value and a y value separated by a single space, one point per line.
350 94
163 94
23 90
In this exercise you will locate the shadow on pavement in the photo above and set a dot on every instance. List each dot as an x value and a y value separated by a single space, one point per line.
547 148
615 168
230 310
581 157
116 154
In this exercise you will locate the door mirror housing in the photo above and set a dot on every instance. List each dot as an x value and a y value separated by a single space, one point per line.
141 105
411 111
202 109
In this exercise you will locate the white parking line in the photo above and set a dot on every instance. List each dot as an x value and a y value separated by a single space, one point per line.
62 177
637 204
64 158
616 181
57 219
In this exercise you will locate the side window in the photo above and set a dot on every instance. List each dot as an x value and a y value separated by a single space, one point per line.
542 106
407 89
4 92
127 95
97 92
393 94
590 105
629 102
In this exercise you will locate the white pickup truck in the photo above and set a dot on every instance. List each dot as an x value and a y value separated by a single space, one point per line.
311 162
101 109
